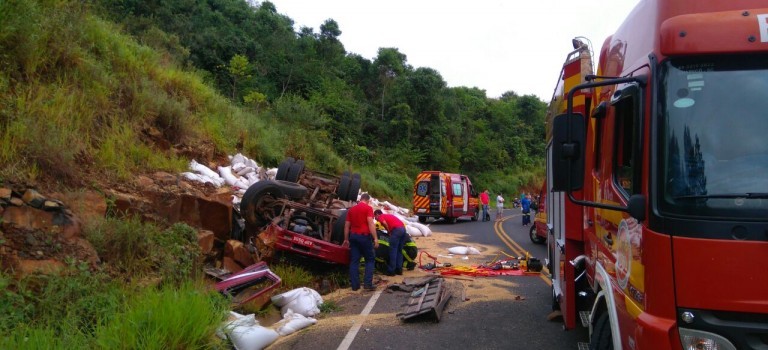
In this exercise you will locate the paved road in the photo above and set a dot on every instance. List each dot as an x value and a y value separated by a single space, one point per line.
369 322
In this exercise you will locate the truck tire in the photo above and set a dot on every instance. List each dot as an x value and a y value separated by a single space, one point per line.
354 187
601 338
477 215
283 168
337 234
255 206
291 190
450 220
422 219
343 188
295 171
533 236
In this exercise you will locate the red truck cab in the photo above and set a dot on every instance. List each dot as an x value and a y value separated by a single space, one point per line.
657 168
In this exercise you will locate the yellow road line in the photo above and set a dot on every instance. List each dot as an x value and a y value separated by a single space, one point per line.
516 248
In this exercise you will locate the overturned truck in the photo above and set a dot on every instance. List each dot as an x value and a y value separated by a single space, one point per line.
300 211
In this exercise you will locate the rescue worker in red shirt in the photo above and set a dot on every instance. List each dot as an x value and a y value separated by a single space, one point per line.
485 200
360 237
397 233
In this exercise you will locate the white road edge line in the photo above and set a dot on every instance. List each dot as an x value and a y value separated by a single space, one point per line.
356 327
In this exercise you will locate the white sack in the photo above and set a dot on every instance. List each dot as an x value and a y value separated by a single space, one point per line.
237 166
271 173
192 177
238 158
425 230
463 250
202 169
252 337
413 231
293 322
244 170
304 301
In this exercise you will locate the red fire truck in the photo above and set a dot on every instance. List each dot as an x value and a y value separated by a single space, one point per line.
657 165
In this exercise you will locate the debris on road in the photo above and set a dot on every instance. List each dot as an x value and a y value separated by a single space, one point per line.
429 300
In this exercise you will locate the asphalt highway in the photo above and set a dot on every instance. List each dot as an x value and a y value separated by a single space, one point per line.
368 321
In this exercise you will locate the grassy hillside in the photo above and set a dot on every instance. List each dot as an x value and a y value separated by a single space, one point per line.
77 97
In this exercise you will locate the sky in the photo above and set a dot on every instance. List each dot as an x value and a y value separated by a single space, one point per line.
493 45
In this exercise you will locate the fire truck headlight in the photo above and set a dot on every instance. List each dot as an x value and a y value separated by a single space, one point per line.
698 340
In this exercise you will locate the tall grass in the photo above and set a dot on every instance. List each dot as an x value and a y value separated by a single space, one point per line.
170 318
83 310
144 250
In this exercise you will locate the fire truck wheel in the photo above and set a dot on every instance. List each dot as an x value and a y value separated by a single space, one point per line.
354 187
291 189
477 215
295 171
534 237
343 188
601 335
257 207
283 168
422 219
451 220
337 234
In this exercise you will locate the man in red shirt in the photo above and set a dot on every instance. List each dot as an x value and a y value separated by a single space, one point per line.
360 237
485 200
397 233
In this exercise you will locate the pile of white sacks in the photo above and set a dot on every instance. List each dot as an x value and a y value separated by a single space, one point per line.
297 307
244 172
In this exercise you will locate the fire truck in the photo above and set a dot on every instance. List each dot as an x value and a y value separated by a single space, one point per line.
657 167
444 195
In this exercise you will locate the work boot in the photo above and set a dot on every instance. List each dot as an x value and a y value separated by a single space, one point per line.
399 272
369 288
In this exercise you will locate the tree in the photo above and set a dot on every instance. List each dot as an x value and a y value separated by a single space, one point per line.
238 69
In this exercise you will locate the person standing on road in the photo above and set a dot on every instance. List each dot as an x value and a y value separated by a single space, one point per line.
526 207
485 200
397 233
360 237
499 207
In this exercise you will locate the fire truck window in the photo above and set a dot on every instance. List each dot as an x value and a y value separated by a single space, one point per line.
457 190
625 131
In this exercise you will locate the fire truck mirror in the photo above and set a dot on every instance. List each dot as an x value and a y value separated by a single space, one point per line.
636 207
568 135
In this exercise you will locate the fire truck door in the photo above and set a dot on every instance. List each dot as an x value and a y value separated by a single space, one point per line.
465 195
555 206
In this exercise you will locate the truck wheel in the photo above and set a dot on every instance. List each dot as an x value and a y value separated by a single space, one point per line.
354 187
451 220
477 215
283 168
343 188
295 171
258 205
337 234
601 338
533 236
291 189
422 219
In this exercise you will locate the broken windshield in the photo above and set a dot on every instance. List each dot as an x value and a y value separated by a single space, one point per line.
714 131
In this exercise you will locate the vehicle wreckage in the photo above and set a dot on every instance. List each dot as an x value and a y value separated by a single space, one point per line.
300 211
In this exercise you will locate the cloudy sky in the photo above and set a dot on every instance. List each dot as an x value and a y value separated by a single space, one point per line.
494 45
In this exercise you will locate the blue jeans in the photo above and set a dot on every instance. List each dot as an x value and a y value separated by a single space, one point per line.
486 212
396 244
360 246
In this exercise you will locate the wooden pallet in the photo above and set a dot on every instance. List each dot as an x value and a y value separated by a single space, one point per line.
431 301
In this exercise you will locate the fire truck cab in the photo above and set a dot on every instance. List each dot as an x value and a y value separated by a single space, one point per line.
657 167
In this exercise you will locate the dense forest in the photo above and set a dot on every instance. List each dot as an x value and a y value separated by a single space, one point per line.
240 76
